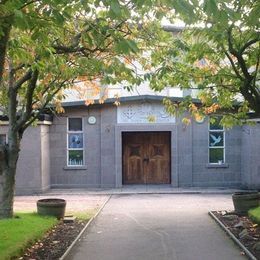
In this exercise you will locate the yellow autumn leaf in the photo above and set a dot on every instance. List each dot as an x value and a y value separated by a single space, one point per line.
186 121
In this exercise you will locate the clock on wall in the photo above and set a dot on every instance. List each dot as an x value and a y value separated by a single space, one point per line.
92 120
200 119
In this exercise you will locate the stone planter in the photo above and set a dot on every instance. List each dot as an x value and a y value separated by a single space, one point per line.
243 201
51 207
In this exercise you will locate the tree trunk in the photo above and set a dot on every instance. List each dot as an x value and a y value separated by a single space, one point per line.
7 194
8 162
4 37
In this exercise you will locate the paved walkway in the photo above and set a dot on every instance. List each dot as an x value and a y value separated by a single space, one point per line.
157 227
144 189
75 202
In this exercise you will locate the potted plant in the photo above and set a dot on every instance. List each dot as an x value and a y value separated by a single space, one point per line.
51 207
243 201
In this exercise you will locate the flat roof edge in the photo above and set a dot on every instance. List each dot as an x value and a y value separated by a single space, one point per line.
96 102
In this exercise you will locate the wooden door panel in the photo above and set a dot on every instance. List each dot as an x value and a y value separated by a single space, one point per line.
134 172
158 170
153 173
133 167
132 159
146 158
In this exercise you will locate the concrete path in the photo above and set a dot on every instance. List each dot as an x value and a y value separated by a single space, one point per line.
157 227
143 189
75 202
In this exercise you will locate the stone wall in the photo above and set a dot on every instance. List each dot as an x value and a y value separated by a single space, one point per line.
250 156
88 175
33 166
103 151
43 159
223 175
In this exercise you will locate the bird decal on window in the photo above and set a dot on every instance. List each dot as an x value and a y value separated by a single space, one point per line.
75 139
215 139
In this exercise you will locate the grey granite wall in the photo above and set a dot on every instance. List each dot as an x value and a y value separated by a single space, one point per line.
43 159
107 159
184 154
87 175
103 152
250 156
210 175
33 167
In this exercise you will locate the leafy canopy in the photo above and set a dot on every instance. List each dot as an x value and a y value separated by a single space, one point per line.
50 45
217 55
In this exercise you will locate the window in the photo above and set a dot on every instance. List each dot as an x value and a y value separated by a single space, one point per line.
75 141
3 138
216 141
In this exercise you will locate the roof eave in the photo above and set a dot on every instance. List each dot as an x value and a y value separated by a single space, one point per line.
82 103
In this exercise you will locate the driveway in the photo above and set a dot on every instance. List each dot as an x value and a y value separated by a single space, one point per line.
155 227
75 202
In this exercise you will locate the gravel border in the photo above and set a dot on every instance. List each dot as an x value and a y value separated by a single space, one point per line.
83 230
247 252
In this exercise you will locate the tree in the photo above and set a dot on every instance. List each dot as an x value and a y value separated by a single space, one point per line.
49 45
217 54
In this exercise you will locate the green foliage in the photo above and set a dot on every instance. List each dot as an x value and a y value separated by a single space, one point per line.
18 233
47 46
218 55
69 41
254 214
50 45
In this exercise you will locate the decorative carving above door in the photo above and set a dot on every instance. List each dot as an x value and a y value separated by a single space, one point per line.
141 112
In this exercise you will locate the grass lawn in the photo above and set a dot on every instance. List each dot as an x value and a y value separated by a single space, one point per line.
17 233
254 214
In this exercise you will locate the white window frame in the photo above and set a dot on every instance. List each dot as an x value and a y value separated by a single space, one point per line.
216 147
75 149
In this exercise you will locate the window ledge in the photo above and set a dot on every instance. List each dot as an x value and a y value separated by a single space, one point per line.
68 168
216 165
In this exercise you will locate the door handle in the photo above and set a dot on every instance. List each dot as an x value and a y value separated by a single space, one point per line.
146 159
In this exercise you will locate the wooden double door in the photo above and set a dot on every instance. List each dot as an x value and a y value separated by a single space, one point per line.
146 157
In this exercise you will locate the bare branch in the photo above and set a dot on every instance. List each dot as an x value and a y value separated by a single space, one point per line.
27 76
19 67
28 3
29 99
249 43
4 37
233 65
74 47
238 55
33 117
